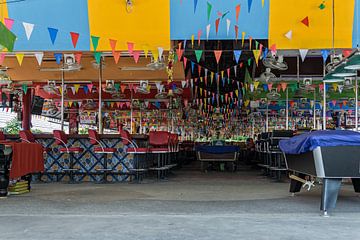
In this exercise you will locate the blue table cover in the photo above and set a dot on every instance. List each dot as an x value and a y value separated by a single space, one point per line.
309 141
217 149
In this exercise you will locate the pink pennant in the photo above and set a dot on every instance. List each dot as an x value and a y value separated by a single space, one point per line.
228 72
283 86
179 53
90 86
128 104
136 55
333 102
231 94
273 49
199 36
122 105
78 56
321 87
217 55
130 47
270 86
185 62
8 23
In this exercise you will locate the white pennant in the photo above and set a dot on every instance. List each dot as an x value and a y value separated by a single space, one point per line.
228 22
183 84
208 31
79 103
158 84
235 68
206 72
252 87
161 88
288 35
160 50
340 88
192 83
147 104
303 53
28 29
73 90
39 57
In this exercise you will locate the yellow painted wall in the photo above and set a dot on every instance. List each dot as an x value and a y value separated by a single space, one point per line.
148 24
3 10
287 15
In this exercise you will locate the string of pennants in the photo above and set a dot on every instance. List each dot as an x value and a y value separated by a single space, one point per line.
157 53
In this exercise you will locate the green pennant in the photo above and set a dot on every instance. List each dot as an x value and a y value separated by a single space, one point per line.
95 42
7 38
97 56
198 54
256 45
24 88
209 8
108 104
117 86
175 58
249 62
248 78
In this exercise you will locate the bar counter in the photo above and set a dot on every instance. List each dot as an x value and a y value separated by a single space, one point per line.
87 162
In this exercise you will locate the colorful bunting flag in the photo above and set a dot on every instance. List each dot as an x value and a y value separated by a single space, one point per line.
136 55
305 21
217 21
2 58
7 38
76 86
95 41
325 54
209 8
249 5
288 35
8 23
19 57
116 55
58 57
97 56
217 55
53 34
257 56
303 53
208 31
228 23
113 43
198 54
78 56
74 38
195 5
237 8
131 48
161 51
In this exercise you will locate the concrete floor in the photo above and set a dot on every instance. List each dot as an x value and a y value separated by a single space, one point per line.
191 205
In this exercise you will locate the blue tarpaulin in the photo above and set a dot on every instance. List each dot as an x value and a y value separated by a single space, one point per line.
309 141
217 149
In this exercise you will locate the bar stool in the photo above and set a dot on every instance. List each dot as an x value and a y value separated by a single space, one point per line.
159 142
61 140
140 156
103 150
174 150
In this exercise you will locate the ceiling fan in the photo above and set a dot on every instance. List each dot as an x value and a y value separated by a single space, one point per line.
144 87
266 76
275 62
273 95
51 88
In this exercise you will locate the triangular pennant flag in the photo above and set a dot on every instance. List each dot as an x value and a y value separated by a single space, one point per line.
136 55
256 84
235 70
90 87
97 56
116 55
288 35
242 38
8 23
199 36
39 57
228 73
237 54
74 38
303 53
2 58
131 48
198 54
237 8
209 8
192 67
78 56
95 42
58 57
346 52
7 38
325 54
192 40
305 21
28 27
195 5
179 53
73 90
208 31
283 86
185 62
262 3
19 57
146 50
228 22
217 55
217 21
53 33
24 88
155 54
112 43
161 51
86 90
257 56
122 88
76 86
249 5
117 86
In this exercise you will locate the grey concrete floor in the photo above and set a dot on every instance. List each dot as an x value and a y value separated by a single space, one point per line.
190 205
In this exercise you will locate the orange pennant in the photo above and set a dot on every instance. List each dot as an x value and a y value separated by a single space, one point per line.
217 55
113 44
116 55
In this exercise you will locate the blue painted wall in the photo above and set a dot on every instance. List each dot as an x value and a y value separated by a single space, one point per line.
185 23
65 15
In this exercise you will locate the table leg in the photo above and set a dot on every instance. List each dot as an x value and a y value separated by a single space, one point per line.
356 184
295 186
330 190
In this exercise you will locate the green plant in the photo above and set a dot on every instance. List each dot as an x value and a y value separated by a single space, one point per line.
83 130
13 126
36 131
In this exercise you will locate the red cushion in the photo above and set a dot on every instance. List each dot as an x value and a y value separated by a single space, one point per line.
72 149
137 150
99 149
159 150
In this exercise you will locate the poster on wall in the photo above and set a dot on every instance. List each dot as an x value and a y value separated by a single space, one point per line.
87 118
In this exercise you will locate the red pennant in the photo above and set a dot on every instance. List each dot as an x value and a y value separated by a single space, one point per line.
305 21
116 55
78 56
113 44
199 36
241 65
185 62
237 12
228 72
217 55
74 38
136 55
2 58
236 32
122 87
346 52
217 25
179 53
199 69
130 47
